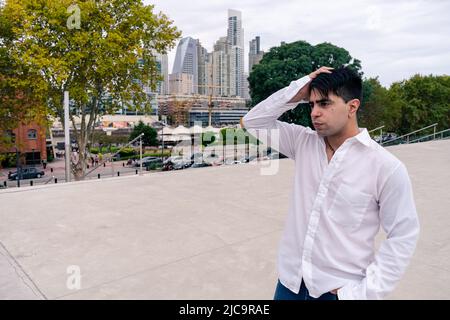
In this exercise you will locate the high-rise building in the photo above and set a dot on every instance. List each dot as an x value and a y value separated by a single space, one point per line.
152 89
181 83
235 37
221 74
186 60
203 70
246 88
255 53
162 63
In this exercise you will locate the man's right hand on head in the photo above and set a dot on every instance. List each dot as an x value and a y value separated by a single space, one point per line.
314 74
303 92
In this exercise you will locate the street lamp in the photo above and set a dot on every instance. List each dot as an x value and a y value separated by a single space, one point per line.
19 173
162 143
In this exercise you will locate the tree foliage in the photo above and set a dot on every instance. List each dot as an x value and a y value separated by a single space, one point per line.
22 90
289 62
407 105
150 134
421 101
104 64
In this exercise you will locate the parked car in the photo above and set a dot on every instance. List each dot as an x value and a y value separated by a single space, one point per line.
389 136
26 173
213 159
274 155
173 159
197 157
147 161
172 162
200 165
386 137
181 165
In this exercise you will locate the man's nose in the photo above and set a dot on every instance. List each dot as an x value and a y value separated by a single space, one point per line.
315 112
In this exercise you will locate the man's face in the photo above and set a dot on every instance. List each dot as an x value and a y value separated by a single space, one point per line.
329 114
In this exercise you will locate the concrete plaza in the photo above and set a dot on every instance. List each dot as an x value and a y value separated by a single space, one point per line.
209 233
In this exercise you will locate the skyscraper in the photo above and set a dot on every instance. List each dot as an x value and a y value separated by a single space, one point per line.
235 37
221 73
186 60
162 63
255 54
203 68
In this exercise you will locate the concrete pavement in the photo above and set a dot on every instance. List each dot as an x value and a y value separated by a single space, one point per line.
209 233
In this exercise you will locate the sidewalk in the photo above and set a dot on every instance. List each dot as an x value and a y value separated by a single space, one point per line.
192 234
58 166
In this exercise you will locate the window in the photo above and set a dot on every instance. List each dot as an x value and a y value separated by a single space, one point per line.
32 134
11 136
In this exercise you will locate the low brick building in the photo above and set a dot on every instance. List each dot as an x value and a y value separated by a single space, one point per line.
30 140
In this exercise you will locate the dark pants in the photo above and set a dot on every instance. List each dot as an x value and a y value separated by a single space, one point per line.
283 293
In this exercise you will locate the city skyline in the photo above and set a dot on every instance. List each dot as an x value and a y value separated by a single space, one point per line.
195 68
393 40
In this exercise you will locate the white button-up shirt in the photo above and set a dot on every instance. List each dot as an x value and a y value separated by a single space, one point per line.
337 207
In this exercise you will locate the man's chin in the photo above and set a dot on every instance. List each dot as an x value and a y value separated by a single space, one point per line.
322 133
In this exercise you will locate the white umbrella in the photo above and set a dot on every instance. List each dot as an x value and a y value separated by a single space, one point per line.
181 130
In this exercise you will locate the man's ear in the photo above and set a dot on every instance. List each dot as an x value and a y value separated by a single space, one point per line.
354 106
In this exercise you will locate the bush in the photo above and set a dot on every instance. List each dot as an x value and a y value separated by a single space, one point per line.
154 166
105 149
112 150
8 160
127 152
152 154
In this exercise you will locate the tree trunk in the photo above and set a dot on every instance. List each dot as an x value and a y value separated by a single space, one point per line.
79 167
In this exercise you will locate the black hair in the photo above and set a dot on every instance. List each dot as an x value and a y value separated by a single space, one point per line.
343 82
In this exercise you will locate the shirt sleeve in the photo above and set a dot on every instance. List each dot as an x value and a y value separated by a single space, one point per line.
400 222
261 121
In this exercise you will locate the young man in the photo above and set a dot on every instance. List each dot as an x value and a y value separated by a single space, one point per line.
345 187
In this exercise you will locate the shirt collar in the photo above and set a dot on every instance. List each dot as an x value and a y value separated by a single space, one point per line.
363 137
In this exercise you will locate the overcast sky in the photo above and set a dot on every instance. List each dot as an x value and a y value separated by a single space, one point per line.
393 39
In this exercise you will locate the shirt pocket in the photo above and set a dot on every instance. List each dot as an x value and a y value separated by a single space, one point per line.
349 206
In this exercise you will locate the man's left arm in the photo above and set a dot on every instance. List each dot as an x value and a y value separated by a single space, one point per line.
400 222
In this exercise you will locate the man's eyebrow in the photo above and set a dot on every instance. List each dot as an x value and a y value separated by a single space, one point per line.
321 100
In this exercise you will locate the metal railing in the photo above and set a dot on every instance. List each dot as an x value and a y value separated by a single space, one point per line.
118 151
434 134
381 131
409 134
379 128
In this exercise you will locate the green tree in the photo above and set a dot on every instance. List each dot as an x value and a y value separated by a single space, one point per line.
289 62
104 64
150 134
421 101
21 89
377 107
407 105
